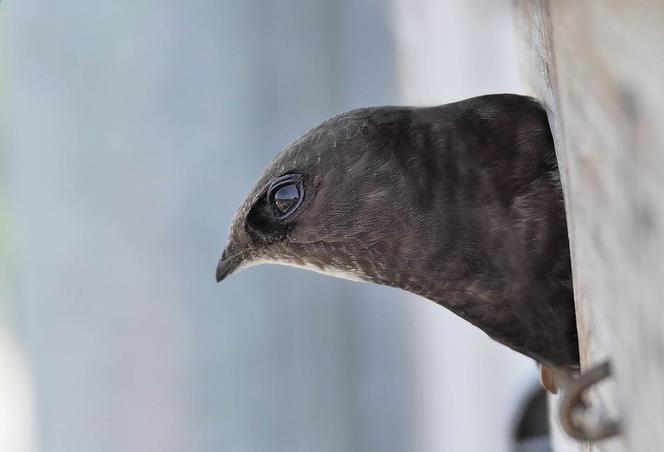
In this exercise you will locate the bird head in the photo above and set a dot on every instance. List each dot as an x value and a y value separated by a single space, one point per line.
460 204
327 202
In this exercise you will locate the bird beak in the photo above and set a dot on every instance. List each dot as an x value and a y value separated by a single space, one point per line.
227 264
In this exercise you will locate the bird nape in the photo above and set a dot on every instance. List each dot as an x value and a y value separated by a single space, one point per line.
459 203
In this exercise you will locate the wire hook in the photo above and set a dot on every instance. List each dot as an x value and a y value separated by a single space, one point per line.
572 402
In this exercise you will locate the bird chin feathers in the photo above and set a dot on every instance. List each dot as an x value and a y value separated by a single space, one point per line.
329 270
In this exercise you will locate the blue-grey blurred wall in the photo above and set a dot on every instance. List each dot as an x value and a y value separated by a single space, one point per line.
134 129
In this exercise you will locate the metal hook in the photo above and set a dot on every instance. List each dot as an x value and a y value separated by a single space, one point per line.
572 402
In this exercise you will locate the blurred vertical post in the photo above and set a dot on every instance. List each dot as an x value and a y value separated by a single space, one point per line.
467 387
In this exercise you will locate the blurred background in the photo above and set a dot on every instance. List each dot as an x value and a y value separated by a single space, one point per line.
130 131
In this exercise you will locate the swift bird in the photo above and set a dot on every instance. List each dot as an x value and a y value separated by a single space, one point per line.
459 203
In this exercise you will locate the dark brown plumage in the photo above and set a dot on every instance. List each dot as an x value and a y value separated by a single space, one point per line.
459 203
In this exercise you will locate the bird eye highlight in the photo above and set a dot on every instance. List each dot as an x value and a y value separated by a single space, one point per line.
285 195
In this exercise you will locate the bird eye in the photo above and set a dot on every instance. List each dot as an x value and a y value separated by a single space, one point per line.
285 195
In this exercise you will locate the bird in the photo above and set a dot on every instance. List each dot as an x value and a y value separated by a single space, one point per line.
459 203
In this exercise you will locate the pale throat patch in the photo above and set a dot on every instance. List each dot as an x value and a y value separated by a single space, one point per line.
329 270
